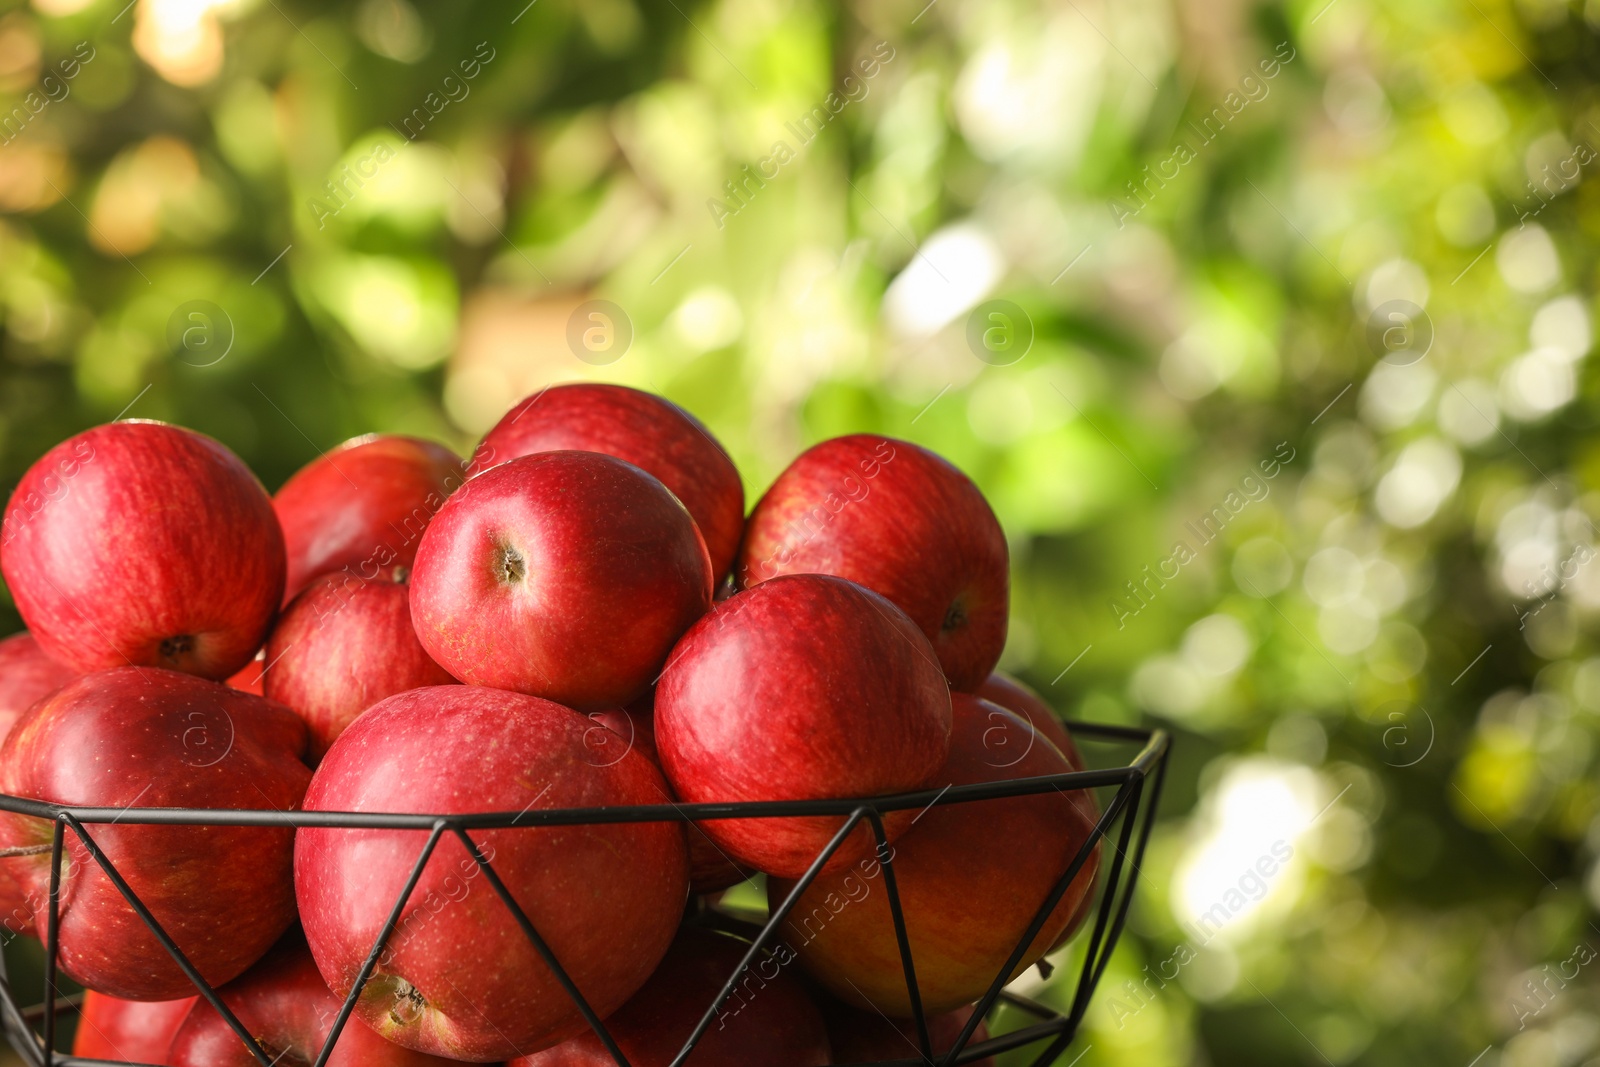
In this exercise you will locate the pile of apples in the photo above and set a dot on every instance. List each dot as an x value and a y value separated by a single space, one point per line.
580 616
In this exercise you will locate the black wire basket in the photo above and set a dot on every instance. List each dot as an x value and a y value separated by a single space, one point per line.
1131 807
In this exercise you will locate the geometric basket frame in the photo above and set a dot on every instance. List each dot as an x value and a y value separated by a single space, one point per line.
1131 813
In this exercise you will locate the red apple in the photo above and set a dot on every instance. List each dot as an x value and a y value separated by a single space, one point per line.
564 575
458 978
970 875
145 737
127 1031
27 675
1027 705
711 870
344 644
145 544
868 1036
769 1019
362 507
805 687
646 430
901 521
287 1007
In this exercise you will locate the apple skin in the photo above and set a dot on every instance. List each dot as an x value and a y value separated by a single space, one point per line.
145 737
286 1006
1026 704
970 877
344 644
805 687
363 506
564 575
128 1031
711 870
145 544
1023 702
459 979
646 430
904 523
27 675
769 1018
867 1037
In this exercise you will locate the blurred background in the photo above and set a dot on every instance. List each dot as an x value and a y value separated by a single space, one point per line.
1264 326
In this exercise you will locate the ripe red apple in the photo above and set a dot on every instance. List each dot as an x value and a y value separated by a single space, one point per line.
904 523
145 737
458 978
287 1007
127 1031
362 507
344 644
565 575
868 1036
27 675
805 687
711 870
145 544
1019 699
970 877
649 431
769 1019
1027 705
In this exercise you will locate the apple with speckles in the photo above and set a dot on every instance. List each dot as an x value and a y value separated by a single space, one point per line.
146 737
806 687
904 523
970 875
649 431
139 543
564 575
361 508
344 644
458 977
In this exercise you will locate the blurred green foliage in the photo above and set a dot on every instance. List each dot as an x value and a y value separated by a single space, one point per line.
1347 241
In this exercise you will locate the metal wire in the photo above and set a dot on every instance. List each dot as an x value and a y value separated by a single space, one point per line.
1058 1029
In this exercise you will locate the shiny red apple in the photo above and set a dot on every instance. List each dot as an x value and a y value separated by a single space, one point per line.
362 507
565 575
904 523
805 687
342 645
970 875
646 430
860 1036
27 675
1023 702
127 1031
145 737
285 1005
145 544
769 1019
1027 705
458 978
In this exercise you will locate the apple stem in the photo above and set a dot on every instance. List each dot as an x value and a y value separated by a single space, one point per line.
24 850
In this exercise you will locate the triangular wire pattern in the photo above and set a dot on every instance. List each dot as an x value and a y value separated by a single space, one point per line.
1126 806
